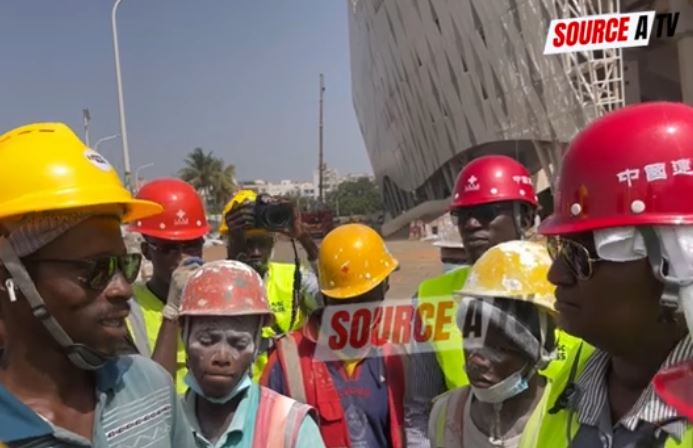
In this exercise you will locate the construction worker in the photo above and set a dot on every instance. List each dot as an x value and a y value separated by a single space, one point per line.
223 309
168 237
506 317
64 291
359 397
620 237
493 201
293 292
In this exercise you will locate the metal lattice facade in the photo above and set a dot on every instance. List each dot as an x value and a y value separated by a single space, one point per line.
438 82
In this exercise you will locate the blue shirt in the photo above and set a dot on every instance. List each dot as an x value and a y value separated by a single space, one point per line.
136 407
240 431
363 397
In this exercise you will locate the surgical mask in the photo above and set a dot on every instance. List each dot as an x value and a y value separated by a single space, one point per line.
509 387
241 386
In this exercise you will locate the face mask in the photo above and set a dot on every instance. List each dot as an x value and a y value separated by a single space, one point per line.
510 387
241 386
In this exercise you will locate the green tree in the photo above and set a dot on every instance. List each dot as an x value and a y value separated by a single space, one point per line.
355 197
210 176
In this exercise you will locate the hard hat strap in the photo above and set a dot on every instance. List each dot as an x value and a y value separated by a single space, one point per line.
672 286
82 356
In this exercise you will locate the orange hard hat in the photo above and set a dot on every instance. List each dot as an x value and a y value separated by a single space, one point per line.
183 217
353 260
225 288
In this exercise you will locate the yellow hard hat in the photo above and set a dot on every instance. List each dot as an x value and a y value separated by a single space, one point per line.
237 199
514 270
353 260
44 166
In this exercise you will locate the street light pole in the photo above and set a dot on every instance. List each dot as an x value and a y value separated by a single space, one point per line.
104 139
121 107
87 119
137 172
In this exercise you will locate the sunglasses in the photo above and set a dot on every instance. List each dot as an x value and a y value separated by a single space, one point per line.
191 248
484 213
575 255
98 272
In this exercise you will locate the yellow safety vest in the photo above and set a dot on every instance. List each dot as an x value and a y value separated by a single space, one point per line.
545 429
279 284
148 315
449 353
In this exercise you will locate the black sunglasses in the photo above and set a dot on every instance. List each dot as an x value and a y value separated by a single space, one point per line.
484 213
100 271
575 255
192 248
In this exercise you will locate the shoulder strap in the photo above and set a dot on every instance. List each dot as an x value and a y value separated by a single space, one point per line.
279 420
139 329
287 350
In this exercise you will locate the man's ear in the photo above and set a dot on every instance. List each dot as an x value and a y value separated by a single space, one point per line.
527 219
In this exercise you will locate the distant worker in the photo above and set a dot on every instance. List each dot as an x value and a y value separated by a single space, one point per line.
507 319
620 238
169 237
494 201
223 310
359 397
251 224
64 291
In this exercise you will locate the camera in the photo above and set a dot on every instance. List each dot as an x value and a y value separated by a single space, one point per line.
273 216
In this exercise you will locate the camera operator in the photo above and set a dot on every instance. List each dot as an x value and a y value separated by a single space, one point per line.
252 223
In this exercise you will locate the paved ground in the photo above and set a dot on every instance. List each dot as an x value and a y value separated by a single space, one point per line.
418 261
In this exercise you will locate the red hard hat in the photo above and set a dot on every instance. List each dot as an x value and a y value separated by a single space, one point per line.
225 288
183 217
675 387
490 179
631 167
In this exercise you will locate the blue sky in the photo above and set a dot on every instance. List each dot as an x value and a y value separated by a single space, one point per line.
238 77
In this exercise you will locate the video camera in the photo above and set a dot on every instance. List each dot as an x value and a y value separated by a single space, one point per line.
271 215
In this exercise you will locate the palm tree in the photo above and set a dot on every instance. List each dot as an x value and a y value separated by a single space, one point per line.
208 175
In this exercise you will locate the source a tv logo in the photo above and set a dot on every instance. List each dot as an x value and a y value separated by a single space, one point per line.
607 31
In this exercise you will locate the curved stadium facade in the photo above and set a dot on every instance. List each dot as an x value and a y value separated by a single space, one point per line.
438 82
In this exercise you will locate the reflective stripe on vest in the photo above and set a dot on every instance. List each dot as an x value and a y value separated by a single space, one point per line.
278 420
450 360
443 406
549 427
149 308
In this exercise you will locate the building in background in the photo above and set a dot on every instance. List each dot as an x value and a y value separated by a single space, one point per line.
437 83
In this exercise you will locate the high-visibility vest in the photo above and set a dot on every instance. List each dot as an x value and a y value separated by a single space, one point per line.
438 423
279 420
308 380
280 286
144 323
548 426
448 353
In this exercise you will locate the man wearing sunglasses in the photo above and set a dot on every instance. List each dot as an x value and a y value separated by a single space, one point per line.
621 241
493 202
65 281
170 237
293 291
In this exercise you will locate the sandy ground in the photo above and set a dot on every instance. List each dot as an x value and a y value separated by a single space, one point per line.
418 261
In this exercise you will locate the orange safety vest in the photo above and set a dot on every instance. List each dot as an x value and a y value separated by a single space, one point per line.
279 420
309 381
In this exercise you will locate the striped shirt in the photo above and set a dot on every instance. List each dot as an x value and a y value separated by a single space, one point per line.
648 414
136 407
